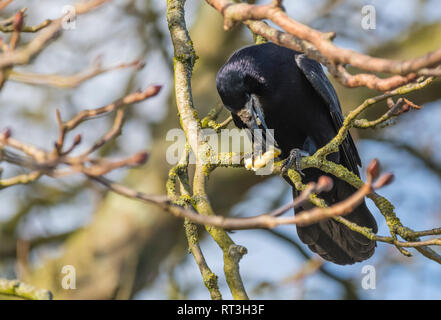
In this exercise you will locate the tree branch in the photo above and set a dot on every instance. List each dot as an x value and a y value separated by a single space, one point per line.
319 46
21 290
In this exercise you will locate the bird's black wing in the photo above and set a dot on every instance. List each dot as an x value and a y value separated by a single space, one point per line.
315 75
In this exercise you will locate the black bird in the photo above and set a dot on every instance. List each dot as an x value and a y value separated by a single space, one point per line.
269 86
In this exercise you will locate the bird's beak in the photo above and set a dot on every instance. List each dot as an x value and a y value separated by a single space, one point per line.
252 116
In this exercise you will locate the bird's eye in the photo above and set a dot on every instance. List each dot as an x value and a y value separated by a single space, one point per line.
229 108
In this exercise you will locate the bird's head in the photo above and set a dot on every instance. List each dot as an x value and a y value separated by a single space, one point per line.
240 94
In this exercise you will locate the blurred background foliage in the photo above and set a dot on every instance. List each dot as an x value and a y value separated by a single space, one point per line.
123 249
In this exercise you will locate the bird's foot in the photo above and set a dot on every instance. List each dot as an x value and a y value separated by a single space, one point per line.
255 163
294 158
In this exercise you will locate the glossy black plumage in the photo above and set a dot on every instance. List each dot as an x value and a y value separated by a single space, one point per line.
300 104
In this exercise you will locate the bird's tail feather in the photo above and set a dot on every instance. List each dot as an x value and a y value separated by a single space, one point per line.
334 241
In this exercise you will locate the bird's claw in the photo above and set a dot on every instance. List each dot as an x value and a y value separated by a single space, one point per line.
294 158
